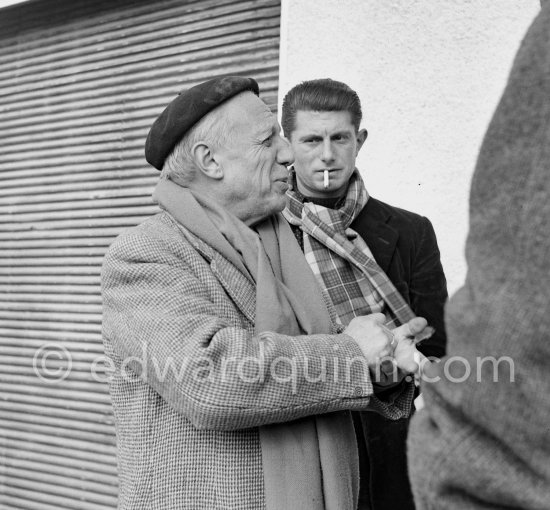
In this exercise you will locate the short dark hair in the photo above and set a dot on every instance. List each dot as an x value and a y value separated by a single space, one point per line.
323 95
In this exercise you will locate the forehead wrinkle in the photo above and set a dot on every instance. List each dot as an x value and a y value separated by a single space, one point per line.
267 125
323 122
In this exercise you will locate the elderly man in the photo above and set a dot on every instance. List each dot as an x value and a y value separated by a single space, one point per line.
232 379
369 256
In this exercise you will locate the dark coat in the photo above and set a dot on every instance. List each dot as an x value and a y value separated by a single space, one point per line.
405 247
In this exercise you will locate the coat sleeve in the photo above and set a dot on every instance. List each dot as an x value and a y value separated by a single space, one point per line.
168 322
428 289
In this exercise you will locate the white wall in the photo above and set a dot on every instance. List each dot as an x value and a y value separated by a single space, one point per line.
429 74
6 3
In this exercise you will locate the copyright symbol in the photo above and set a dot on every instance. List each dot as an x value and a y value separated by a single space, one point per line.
52 363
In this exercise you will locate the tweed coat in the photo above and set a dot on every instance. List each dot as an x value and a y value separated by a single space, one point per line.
483 439
178 317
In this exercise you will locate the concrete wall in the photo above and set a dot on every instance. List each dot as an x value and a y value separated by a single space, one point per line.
429 74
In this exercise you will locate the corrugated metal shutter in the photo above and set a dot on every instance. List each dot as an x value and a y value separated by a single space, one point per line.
80 83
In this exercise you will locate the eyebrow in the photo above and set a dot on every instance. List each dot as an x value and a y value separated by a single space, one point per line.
344 132
266 131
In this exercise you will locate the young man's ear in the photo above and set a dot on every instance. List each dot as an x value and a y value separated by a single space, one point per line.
206 161
361 137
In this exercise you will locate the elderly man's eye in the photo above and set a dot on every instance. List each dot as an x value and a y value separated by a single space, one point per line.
268 141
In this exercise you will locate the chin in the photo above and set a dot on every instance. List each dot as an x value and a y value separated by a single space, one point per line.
280 206
277 206
335 187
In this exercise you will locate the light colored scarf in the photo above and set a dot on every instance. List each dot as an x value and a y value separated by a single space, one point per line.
354 281
311 463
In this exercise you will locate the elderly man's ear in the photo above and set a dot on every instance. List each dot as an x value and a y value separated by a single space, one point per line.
361 137
206 161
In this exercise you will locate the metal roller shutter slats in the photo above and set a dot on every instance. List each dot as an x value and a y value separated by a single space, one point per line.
80 83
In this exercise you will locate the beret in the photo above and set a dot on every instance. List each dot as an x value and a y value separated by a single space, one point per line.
186 110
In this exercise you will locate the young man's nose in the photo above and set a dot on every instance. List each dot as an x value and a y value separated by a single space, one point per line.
327 154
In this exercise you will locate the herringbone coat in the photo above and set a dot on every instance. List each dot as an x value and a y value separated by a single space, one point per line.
178 323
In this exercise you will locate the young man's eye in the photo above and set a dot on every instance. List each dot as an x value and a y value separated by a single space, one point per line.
340 138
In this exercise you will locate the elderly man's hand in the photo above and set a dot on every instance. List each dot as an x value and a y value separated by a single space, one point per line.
373 337
390 354
406 356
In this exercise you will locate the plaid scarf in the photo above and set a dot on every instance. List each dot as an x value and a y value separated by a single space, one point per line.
341 260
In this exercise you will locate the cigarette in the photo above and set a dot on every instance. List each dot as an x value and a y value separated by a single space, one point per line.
326 179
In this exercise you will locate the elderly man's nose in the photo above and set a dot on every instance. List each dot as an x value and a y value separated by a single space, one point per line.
285 154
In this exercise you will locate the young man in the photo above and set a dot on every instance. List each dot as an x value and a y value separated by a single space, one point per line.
220 339
368 256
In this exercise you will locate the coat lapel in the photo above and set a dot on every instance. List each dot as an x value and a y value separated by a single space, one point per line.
380 237
238 286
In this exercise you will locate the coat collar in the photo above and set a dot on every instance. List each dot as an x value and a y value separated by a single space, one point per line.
238 286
